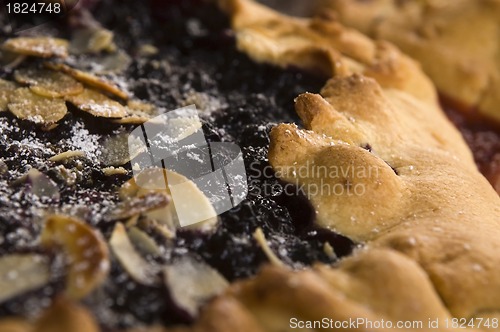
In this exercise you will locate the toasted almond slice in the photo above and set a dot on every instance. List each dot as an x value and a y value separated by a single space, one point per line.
86 252
115 150
89 79
186 195
138 112
64 316
26 105
136 118
141 106
20 273
48 83
259 236
143 242
6 89
91 40
136 266
329 251
191 283
110 171
43 47
67 155
97 104
3 167
40 184
137 205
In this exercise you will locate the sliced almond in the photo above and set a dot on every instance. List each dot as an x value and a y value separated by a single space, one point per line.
67 155
91 40
110 171
48 83
259 236
6 89
191 283
186 195
115 150
65 316
89 79
10 60
43 47
26 105
20 273
40 184
138 112
136 266
97 104
329 251
141 106
137 205
133 119
143 242
86 252
3 167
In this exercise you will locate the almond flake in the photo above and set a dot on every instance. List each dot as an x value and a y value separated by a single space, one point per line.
110 171
44 47
67 155
48 83
136 266
20 273
26 105
259 236
89 79
97 104
137 205
191 283
86 252
91 40
138 112
143 242
152 180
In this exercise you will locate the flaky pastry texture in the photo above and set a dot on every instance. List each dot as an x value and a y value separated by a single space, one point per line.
456 41
322 45
421 193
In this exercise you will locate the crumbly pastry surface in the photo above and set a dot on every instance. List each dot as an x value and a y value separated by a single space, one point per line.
322 45
424 198
457 42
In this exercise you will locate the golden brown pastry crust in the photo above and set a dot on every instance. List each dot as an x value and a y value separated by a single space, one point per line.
435 207
456 41
322 45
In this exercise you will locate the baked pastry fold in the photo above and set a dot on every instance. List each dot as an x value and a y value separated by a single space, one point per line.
457 42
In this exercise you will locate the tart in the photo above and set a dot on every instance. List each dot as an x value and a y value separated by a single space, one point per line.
404 230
